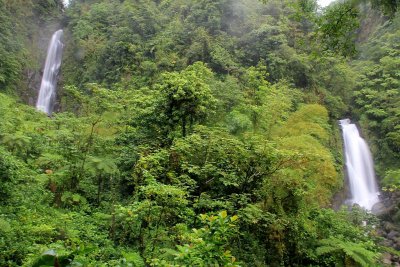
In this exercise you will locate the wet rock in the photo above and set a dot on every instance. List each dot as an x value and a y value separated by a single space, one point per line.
387 243
387 213
393 234
395 258
397 240
396 216
389 227
378 208
380 232
387 258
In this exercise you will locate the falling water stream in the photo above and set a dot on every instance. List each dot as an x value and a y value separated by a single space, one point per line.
360 167
48 86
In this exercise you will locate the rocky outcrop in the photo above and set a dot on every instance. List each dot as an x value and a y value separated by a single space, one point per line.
389 212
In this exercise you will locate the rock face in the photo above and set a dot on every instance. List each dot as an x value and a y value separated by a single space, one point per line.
378 208
37 44
392 235
389 212
387 258
33 79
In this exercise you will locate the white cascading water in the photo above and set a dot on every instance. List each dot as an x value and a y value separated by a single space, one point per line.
48 86
360 167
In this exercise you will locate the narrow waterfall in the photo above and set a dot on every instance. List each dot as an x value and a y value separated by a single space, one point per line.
360 167
48 86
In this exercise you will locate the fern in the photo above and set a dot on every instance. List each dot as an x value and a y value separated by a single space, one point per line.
133 259
327 250
356 252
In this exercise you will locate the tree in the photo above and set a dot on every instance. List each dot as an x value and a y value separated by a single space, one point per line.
389 7
338 28
207 246
187 97
103 168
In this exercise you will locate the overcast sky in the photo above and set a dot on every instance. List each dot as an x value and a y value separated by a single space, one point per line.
324 3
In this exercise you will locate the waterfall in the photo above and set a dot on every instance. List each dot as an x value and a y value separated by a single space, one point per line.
360 167
48 86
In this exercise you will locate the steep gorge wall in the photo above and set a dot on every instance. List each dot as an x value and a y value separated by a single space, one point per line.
25 37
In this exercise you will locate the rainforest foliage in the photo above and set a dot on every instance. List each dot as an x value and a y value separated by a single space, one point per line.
193 133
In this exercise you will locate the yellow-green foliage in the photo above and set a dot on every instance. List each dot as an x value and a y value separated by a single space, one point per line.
310 120
312 165
307 162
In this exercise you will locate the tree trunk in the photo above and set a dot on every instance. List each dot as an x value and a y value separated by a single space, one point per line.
184 126
99 188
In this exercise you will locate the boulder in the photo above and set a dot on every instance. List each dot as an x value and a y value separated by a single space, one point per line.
386 258
387 243
388 226
378 208
393 234
395 258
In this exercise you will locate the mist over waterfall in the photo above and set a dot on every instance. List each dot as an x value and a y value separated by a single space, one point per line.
360 167
48 86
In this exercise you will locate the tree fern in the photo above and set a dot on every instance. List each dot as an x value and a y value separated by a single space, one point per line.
133 259
358 253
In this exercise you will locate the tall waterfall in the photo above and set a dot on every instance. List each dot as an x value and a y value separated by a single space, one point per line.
48 86
360 167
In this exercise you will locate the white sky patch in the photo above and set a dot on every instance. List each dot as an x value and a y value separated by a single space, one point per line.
66 2
324 3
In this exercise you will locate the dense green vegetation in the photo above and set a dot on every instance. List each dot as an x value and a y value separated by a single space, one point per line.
377 94
194 133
